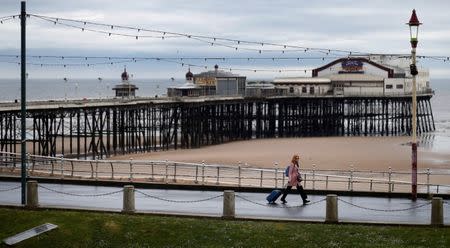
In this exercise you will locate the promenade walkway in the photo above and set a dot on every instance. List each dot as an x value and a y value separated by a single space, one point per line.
210 203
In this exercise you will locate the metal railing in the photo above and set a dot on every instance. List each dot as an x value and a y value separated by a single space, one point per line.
164 171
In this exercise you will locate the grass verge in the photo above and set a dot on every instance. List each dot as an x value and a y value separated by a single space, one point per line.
89 229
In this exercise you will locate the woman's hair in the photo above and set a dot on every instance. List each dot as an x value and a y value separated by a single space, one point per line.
294 159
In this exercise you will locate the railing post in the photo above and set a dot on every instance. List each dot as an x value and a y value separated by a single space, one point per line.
351 177
196 173
203 172
131 169
153 172
28 162
261 179
276 177
128 199
53 167
314 177
96 169
218 174
326 182
390 177
71 166
33 164
112 170
437 212
174 171
167 171
62 166
92 169
331 215
428 180
32 194
228 204
239 174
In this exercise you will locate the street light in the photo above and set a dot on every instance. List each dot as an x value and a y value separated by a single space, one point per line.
413 33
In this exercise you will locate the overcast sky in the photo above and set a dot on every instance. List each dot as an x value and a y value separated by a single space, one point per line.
376 26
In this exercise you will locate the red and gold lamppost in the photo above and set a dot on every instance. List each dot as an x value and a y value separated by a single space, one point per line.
413 33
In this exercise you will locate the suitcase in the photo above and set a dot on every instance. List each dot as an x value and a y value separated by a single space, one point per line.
273 196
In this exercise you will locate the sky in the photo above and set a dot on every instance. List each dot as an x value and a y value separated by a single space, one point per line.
377 26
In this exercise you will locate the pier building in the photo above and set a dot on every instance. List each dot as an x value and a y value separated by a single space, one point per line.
125 88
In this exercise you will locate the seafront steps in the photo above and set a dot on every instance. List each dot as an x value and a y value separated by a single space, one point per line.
238 176
328 209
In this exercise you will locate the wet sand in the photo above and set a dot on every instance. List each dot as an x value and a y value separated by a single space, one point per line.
363 153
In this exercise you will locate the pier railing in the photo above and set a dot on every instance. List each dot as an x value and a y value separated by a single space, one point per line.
240 175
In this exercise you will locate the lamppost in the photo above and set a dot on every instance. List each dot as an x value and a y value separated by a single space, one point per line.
413 34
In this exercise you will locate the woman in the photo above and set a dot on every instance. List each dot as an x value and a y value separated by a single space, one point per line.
294 180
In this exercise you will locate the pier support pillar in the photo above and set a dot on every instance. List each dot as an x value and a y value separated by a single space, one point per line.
32 194
331 209
128 199
228 204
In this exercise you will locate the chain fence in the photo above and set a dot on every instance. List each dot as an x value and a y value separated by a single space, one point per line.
385 210
272 205
178 201
10 189
82 195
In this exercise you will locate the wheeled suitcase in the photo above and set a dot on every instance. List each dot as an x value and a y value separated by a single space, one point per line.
273 196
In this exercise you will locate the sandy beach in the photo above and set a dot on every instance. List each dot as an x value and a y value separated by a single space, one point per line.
363 153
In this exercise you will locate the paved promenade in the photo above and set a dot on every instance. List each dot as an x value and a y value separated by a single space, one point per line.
210 203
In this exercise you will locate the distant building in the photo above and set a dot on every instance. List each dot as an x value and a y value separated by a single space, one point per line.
125 89
221 83
263 89
187 89
357 76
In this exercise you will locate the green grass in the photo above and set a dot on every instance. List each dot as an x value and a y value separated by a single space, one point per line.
88 229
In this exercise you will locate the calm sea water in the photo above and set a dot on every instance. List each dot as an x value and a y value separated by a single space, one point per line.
52 89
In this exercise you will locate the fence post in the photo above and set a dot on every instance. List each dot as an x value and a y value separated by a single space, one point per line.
153 172
390 177
174 171
112 170
128 199
276 176
53 167
28 162
428 180
92 169
131 169
96 169
196 173
437 212
326 182
239 174
314 176
331 209
203 172
228 204
261 180
61 160
167 171
32 194
218 174
71 165
351 177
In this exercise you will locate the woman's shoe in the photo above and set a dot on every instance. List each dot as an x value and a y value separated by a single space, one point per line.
283 201
306 202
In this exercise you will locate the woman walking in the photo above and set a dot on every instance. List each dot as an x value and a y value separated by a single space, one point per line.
294 180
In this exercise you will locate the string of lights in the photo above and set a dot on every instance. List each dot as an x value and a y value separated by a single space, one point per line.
238 44
183 64
213 41
7 18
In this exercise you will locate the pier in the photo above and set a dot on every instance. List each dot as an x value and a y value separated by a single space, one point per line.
101 128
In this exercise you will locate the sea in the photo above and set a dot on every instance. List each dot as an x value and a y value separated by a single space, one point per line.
60 89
